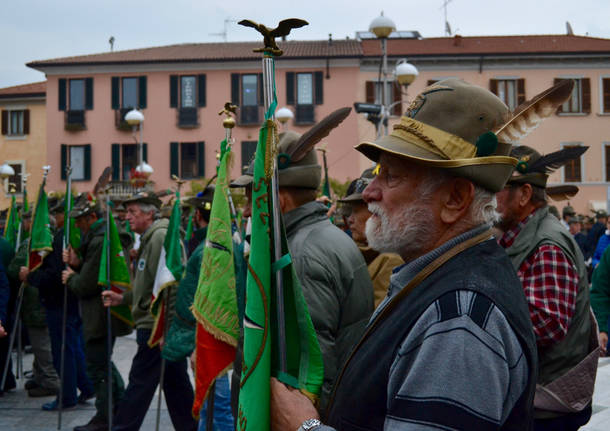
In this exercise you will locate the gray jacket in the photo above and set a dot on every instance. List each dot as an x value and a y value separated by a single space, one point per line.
335 281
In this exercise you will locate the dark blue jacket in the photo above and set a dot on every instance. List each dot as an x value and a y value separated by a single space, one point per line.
5 293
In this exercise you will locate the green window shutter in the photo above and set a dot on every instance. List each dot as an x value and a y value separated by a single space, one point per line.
369 90
493 86
88 162
89 93
173 91
261 95
115 103
4 122
64 160
116 162
586 95
142 92
145 152
235 89
520 91
290 99
173 159
318 88
62 94
26 121
560 107
201 90
200 159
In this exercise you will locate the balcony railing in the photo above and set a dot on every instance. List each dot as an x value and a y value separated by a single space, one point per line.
123 189
75 120
250 115
304 114
119 119
187 117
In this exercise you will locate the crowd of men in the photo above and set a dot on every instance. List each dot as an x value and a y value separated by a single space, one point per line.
451 298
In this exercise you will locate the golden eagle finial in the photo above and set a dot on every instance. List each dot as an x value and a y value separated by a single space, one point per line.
269 34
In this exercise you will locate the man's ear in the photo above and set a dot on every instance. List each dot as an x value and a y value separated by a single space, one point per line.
526 194
457 195
283 200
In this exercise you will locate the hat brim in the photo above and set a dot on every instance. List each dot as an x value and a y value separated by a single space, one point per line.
243 181
490 172
351 199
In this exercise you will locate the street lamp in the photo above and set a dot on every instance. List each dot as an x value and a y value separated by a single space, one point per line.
135 118
5 172
382 27
405 72
283 115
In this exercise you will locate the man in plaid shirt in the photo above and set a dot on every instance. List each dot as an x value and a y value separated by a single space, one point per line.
552 271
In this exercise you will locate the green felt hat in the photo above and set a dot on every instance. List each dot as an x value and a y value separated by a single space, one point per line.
450 126
143 198
83 206
203 200
356 187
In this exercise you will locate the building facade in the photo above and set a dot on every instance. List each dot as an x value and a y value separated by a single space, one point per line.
23 143
181 88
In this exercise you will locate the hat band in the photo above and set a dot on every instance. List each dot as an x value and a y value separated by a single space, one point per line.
437 141
534 178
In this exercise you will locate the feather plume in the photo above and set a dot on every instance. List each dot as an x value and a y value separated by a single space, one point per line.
162 193
530 114
102 182
320 130
549 163
562 192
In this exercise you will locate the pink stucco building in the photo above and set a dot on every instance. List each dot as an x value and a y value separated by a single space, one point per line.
181 88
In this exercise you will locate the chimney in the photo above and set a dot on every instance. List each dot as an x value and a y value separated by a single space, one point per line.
330 39
457 40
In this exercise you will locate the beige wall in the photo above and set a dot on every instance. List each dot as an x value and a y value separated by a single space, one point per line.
30 149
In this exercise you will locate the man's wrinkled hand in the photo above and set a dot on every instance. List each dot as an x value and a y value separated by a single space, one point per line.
66 274
111 299
70 257
603 343
289 407
193 360
23 273
2 331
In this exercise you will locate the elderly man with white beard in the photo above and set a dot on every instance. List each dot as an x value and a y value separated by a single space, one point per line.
451 347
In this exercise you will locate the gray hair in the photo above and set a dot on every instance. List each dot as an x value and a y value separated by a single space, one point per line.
483 206
147 208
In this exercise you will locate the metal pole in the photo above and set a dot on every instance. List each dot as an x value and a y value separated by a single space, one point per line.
268 77
108 315
162 376
209 419
67 200
11 342
141 146
385 95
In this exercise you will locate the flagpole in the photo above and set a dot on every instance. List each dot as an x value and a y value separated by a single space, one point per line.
68 202
229 123
108 314
19 365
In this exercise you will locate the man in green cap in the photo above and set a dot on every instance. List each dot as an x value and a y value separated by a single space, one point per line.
552 271
333 274
566 214
596 231
380 265
81 277
432 202
144 216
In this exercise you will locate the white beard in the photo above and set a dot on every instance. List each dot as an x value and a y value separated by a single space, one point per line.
407 235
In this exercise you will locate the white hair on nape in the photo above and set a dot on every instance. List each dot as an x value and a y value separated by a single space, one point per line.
483 207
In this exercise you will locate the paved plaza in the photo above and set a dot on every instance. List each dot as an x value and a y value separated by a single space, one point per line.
18 412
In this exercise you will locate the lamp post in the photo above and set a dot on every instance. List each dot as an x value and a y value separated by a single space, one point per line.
135 119
382 27
284 115
5 172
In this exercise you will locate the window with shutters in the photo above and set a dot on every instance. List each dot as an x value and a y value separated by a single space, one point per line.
17 179
15 122
187 93
79 159
572 171
510 91
187 159
248 148
304 90
606 95
580 100
127 93
375 95
75 97
607 161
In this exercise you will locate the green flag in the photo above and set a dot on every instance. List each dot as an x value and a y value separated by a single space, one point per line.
113 262
169 271
215 303
41 241
26 207
189 227
71 232
11 227
304 366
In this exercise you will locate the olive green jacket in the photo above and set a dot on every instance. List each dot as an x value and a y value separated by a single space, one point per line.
147 260
84 285
335 281
32 311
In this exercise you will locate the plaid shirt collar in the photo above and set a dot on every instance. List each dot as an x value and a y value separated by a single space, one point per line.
510 235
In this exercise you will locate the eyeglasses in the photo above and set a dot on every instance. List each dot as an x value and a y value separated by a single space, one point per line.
388 178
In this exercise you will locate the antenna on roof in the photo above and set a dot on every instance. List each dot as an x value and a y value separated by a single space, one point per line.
225 27
569 30
447 26
111 42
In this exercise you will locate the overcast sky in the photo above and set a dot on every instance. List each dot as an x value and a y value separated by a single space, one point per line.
43 29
